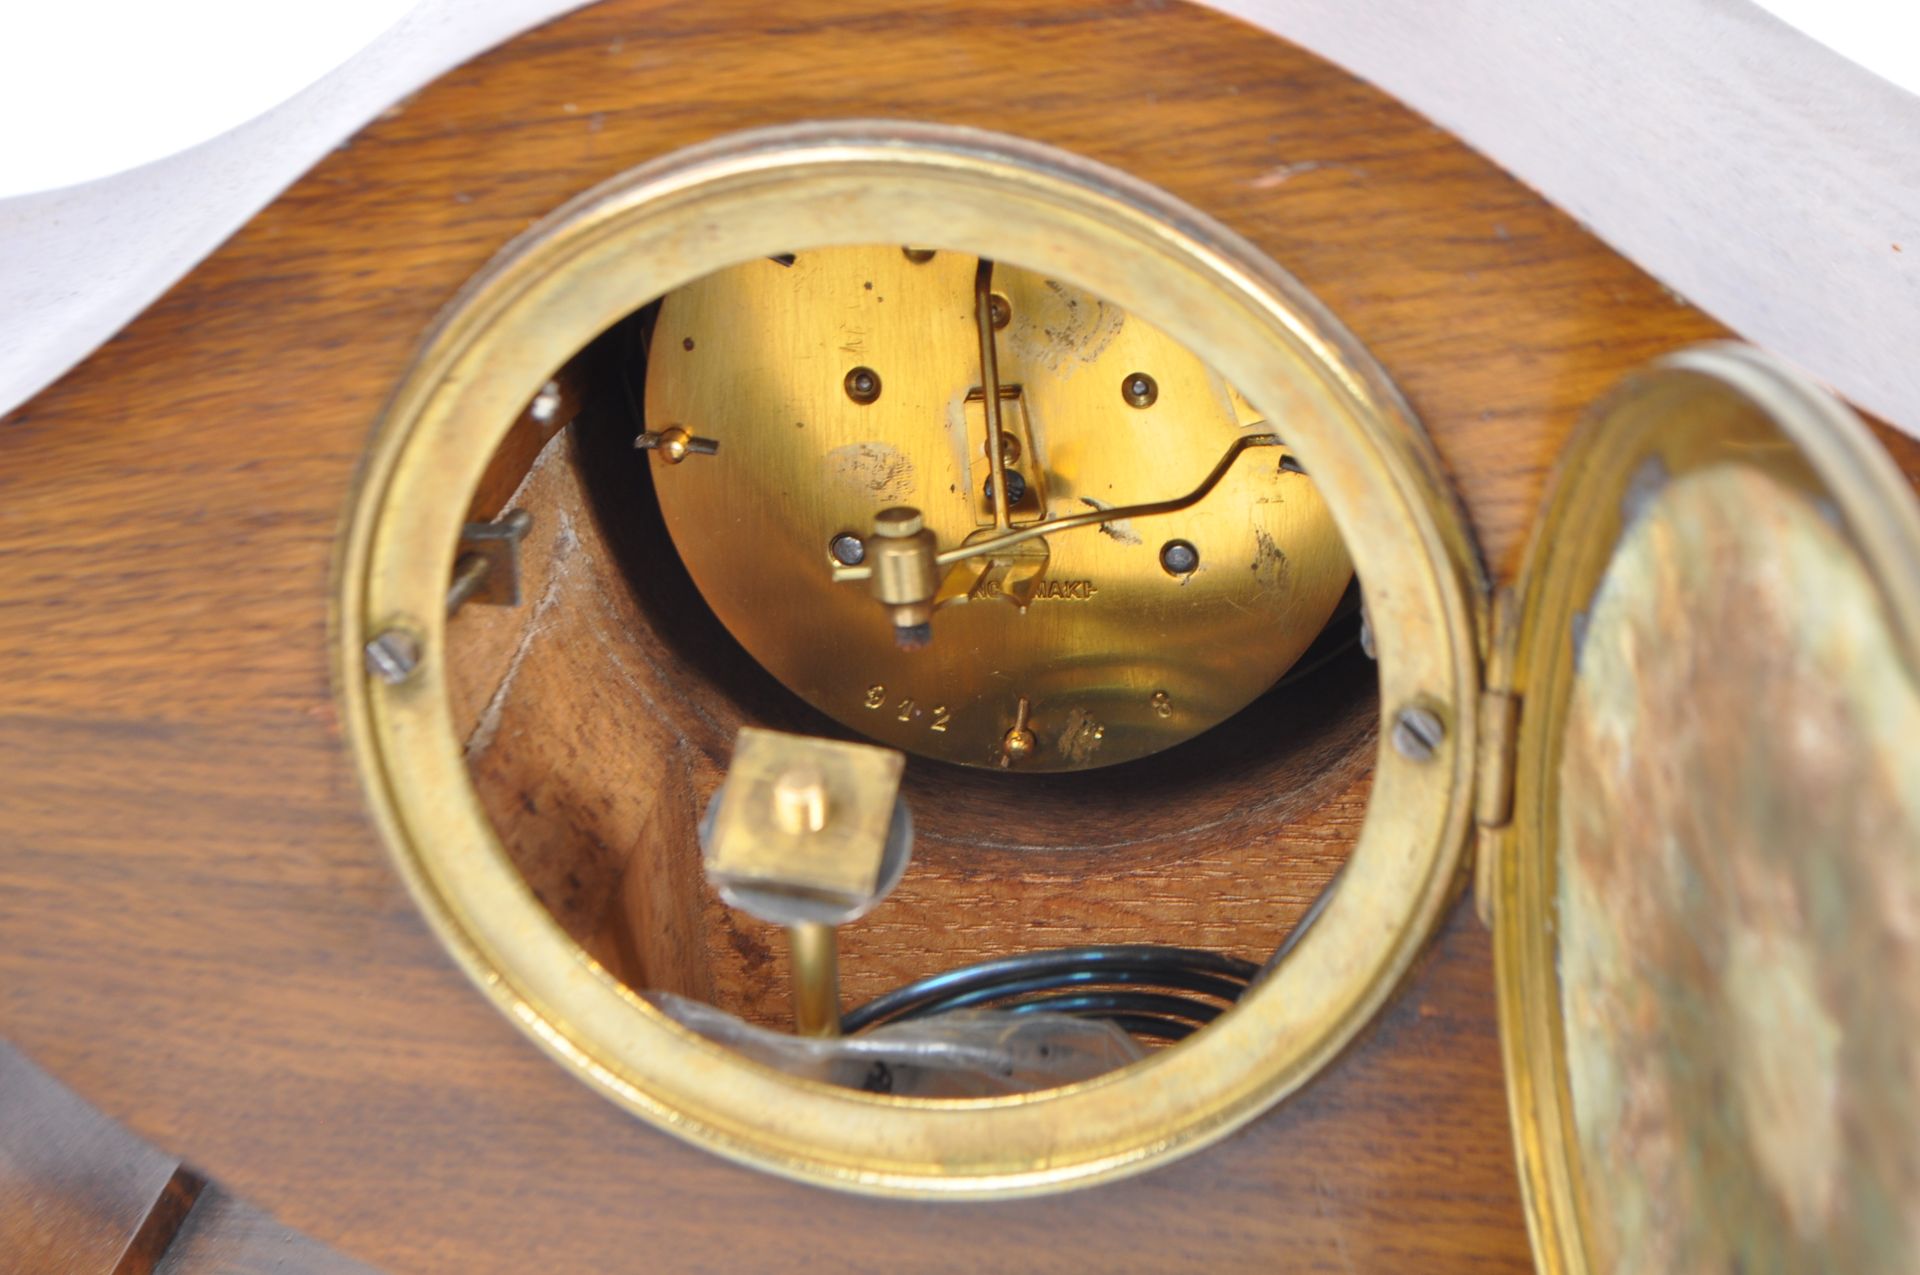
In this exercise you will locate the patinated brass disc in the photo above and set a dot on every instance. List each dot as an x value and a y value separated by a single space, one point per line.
841 381
1708 960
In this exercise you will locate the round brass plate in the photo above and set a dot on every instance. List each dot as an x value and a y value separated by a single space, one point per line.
795 190
1701 924
1115 656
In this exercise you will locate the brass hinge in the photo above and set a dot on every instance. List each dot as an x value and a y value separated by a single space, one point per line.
1494 762
1493 795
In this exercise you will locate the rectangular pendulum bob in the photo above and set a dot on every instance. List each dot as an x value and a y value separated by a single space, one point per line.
803 817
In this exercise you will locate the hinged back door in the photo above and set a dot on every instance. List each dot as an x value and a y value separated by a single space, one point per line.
1707 910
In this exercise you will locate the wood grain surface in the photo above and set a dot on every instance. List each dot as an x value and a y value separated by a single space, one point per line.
202 935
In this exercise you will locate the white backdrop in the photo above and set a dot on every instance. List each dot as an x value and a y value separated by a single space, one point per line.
1755 170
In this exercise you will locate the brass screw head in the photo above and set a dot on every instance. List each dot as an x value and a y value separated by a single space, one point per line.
1001 310
393 655
1418 733
918 256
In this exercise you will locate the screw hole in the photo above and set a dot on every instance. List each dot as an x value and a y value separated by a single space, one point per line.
1179 558
863 385
847 549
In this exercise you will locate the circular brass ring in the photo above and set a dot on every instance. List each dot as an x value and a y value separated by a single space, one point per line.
785 190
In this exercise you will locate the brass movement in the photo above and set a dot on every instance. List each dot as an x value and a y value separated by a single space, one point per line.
856 395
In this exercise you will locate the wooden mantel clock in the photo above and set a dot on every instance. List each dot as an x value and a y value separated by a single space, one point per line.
1260 699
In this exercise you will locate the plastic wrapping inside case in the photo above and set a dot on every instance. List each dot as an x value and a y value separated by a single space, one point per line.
968 1053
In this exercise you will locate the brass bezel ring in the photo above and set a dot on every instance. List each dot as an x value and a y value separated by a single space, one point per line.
790 189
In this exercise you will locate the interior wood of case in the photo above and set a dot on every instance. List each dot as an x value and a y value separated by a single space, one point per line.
600 715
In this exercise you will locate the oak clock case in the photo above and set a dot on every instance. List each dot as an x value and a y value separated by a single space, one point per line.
1500 720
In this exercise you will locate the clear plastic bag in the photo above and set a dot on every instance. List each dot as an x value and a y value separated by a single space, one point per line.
968 1053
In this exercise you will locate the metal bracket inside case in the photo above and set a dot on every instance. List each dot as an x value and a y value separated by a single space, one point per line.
487 568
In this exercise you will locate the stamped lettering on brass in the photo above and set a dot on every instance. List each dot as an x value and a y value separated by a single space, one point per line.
1047 590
